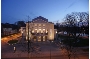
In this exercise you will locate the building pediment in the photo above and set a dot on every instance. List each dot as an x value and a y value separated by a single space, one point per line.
40 19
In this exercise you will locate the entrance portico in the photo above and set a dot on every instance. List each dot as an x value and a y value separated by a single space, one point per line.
39 38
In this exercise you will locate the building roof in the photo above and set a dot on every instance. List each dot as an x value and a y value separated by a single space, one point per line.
40 17
6 25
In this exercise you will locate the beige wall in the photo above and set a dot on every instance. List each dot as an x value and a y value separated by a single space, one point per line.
50 31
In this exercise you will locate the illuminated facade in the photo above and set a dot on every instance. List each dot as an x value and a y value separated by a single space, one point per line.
40 29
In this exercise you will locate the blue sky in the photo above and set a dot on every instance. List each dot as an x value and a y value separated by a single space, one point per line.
53 10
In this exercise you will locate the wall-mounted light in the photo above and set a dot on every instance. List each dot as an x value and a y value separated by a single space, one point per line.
56 31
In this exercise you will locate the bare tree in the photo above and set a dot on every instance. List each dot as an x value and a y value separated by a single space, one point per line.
71 21
75 19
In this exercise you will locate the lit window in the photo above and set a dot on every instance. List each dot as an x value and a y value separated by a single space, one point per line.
39 29
39 36
35 24
46 31
43 36
43 24
43 29
39 24
35 29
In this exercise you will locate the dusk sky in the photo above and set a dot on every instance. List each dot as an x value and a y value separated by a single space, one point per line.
53 10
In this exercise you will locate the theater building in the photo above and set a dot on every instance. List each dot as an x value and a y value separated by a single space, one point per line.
39 29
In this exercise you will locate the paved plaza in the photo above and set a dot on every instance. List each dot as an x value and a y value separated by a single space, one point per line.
41 50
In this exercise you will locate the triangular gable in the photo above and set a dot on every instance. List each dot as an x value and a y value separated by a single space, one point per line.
40 19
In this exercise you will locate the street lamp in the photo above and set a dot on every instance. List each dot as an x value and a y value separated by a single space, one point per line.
56 35
14 48
28 38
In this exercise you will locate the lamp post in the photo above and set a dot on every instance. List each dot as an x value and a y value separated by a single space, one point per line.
28 48
14 48
56 36
29 40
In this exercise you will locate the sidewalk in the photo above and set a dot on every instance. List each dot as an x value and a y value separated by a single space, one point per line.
19 54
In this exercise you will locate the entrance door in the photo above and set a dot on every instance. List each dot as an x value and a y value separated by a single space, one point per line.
39 38
44 38
34 38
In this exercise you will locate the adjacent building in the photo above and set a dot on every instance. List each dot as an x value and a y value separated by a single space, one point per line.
8 29
23 31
